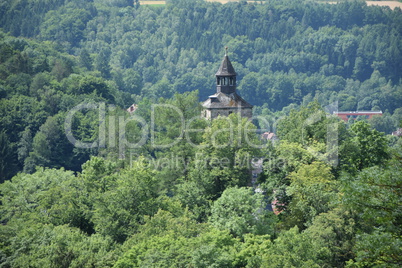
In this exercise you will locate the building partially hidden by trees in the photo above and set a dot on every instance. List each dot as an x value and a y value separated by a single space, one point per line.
345 116
226 101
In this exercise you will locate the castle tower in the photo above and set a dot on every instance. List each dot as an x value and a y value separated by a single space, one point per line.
226 101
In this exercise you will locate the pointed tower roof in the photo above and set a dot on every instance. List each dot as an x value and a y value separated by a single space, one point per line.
226 68
226 101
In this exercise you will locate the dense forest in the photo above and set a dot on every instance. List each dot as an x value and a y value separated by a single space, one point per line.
84 183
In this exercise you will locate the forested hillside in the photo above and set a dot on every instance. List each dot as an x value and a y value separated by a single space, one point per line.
84 183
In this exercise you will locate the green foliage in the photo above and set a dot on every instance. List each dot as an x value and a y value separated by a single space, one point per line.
224 157
49 144
385 123
302 161
294 249
304 126
297 52
299 49
368 147
242 211
338 184
66 24
21 112
375 195
57 246
252 250
47 196
335 230
312 187
7 158
166 241
119 210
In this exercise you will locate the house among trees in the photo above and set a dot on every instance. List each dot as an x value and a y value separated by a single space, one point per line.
345 116
226 101
397 133
269 136
132 108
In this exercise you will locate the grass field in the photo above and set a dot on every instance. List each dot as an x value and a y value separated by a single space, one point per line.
164 2
152 2
391 4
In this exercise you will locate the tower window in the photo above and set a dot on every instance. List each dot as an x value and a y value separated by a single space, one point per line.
218 81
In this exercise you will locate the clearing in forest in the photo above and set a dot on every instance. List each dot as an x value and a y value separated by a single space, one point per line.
150 2
391 4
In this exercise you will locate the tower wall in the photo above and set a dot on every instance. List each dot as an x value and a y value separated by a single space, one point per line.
214 113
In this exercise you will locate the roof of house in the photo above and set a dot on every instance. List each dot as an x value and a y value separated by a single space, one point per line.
132 108
358 112
269 135
397 133
225 101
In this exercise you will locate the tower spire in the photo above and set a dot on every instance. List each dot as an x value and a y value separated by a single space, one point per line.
226 101
226 76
